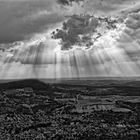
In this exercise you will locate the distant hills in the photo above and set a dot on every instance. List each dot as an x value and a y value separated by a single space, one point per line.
33 83
45 84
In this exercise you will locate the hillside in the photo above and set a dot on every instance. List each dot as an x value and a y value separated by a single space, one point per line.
33 83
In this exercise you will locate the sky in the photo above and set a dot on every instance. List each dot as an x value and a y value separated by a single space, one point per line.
28 50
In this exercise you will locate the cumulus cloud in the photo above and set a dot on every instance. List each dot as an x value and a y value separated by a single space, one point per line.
129 39
132 24
83 30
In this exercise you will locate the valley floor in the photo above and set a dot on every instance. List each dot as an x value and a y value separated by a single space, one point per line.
70 113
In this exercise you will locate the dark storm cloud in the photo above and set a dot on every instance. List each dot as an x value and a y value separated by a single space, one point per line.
68 2
79 29
19 19
73 28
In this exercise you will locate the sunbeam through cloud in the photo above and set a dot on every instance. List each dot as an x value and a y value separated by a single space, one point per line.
84 43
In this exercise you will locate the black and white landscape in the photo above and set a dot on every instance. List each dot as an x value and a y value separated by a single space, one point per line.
69 69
